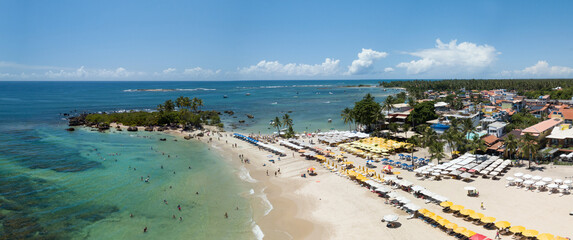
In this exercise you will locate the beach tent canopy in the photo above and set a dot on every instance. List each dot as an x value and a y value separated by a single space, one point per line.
517 229
478 237
390 218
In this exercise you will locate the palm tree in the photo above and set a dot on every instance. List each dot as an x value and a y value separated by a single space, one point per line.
428 136
388 103
406 128
277 123
378 117
196 104
529 147
511 145
437 150
415 141
347 117
393 127
287 121
477 144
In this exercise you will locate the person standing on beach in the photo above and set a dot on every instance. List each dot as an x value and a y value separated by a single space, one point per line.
482 208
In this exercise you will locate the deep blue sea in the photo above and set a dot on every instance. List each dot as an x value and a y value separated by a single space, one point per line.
56 184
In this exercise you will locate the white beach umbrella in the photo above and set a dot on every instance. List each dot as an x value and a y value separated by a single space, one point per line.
553 185
540 183
425 172
537 178
417 188
547 179
509 179
528 182
412 207
390 218
518 180
567 182
403 200
527 176
563 187
558 181
469 188
518 174
435 174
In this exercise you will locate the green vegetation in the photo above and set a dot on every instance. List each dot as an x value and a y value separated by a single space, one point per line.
366 112
422 112
286 122
532 88
522 120
188 115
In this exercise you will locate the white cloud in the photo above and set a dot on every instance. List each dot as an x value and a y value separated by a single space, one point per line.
465 56
92 74
328 67
198 71
541 69
388 69
169 70
363 64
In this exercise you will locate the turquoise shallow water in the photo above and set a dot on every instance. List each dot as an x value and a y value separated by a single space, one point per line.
68 185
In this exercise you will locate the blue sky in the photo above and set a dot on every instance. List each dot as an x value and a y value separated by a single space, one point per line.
242 40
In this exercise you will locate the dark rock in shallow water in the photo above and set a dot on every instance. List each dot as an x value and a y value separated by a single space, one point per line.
163 139
132 129
103 126
250 116
229 112
77 121
241 121
187 137
70 129
149 129
200 134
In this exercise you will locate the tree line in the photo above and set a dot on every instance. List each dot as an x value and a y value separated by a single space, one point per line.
532 88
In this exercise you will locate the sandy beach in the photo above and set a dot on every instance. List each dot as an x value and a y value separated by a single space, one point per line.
329 206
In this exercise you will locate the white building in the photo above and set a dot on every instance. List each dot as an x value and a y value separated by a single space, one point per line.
496 129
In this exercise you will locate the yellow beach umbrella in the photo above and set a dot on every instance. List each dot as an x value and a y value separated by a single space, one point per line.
517 229
451 226
476 215
437 218
560 238
468 233
457 207
466 212
488 219
446 204
530 233
545 236
429 214
423 210
502 224
443 222
460 230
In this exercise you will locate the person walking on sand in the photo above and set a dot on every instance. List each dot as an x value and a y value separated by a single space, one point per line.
482 208
226 215
497 235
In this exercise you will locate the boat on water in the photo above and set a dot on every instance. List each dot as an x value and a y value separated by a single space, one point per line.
248 94
275 103
225 96
329 120
330 93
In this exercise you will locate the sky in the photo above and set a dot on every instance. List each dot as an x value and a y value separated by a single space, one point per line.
282 40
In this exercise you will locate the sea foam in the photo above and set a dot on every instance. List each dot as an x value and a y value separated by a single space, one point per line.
266 202
245 176
259 235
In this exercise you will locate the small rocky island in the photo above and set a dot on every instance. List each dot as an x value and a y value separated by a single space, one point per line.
182 114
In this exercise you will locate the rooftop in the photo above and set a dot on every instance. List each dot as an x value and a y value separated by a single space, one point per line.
498 125
542 126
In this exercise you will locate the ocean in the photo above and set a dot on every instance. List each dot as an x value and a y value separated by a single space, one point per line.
56 184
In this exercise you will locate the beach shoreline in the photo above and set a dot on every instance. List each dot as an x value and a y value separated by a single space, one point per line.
330 206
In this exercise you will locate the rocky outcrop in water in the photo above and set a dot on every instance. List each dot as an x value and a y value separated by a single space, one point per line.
250 116
70 129
132 129
229 112
149 129
77 121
